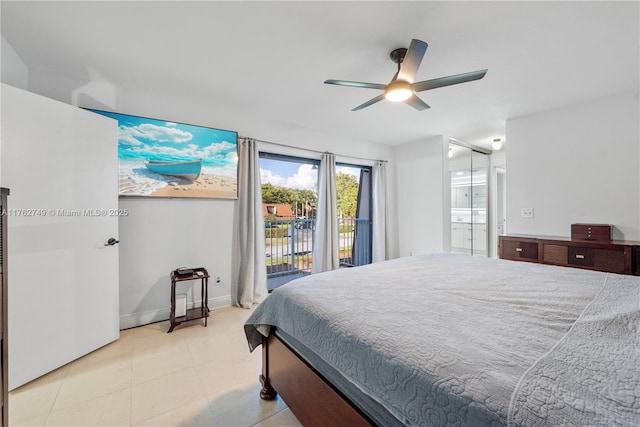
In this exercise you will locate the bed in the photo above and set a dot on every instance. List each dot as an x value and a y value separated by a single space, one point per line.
447 339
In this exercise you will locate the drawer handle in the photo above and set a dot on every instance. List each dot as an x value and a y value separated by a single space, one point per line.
518 249
579 256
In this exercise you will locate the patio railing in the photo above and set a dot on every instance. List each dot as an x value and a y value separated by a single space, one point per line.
289 244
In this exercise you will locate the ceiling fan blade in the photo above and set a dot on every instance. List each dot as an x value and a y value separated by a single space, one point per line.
417 103
356 84
369 102
412 60
449 80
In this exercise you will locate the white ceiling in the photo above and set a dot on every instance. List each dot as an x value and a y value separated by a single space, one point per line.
271 58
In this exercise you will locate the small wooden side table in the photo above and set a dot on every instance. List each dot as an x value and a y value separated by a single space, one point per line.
201 312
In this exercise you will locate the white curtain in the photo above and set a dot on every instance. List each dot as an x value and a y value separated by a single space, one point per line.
252 273
326 248
379 212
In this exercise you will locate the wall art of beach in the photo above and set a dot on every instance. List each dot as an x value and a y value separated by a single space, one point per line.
142 140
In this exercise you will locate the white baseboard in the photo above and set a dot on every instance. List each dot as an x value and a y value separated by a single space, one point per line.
151 316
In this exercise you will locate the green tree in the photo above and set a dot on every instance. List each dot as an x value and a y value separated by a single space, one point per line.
296 198
347 189
302 200
271 194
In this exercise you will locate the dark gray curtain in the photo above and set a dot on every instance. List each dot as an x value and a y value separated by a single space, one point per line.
362 233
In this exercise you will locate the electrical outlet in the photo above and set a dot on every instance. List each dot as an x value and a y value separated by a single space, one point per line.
218 279
526 212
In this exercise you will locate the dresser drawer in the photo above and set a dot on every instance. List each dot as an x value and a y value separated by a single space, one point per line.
600 259
519 249
582 257
555 254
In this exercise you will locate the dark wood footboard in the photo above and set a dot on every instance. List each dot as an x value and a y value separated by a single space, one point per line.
309 396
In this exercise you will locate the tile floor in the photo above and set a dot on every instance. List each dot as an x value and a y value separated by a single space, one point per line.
194 376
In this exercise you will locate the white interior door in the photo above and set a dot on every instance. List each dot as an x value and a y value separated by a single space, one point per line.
60 163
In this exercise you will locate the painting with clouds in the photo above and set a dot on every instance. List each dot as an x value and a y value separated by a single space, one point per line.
166 159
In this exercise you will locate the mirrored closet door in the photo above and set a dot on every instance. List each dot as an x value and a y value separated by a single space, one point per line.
468 170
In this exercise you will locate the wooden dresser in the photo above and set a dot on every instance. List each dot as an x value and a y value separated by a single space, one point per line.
614 256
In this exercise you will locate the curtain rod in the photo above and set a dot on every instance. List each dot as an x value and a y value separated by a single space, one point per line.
315 151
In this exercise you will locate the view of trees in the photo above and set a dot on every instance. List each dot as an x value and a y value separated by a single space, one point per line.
347 189
346 186
271 194
298 199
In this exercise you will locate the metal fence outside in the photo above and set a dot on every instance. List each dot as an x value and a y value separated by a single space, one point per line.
289 244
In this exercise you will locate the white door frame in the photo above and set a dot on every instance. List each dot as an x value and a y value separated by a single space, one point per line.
498 206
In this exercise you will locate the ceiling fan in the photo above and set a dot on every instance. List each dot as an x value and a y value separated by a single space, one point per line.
402 88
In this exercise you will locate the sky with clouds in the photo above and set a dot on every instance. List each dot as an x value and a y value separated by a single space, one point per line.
302 176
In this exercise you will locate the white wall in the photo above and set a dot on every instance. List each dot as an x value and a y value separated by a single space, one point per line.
576 164
420 197
13 70
499 158
159 235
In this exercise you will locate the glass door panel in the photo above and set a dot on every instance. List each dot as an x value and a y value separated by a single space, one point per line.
460 173
479 168
468 177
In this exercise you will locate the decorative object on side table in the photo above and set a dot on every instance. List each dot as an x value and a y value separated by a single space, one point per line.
599 232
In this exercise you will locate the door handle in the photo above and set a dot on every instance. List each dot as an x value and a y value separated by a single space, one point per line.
111 242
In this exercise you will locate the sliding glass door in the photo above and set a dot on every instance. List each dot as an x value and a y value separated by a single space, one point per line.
290 199
468 171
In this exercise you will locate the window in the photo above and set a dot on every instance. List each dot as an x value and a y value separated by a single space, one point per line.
290 196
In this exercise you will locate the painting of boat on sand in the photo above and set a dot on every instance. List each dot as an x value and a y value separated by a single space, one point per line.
166 159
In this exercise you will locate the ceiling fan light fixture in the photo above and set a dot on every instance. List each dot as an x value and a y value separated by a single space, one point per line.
398 91
403 87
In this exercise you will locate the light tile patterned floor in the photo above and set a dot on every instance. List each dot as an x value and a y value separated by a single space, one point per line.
194 376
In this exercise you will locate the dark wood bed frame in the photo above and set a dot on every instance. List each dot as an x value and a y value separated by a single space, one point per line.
311 398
